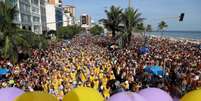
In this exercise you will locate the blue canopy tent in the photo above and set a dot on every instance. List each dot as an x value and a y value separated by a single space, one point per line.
144 50
4 71
155 70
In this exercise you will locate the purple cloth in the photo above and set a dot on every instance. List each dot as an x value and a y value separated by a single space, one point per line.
155 94
10 94
126 96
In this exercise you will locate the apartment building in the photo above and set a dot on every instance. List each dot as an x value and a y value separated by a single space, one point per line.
54 14
68 15
30 14
85 21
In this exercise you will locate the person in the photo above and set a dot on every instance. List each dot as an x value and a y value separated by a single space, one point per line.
86 61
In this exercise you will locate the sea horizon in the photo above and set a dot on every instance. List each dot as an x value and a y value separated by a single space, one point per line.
178 34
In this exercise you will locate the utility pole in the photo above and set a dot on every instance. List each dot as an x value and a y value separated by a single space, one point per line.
129 3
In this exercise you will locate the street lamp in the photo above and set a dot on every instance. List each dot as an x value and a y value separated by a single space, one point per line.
129 3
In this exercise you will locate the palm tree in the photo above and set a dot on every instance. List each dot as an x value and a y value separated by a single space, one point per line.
161 26
148 28
131 18
113 20
7 28
146 38
11 37
141 29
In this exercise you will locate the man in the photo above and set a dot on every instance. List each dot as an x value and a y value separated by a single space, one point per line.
116 87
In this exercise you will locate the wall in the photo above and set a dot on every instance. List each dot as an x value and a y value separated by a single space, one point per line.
50 17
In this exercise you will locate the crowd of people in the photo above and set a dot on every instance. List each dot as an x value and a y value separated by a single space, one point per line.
86 61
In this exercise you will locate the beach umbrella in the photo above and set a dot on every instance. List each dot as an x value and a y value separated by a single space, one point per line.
36 96
194 95
4 71
155 70
175 99
155 94
144 50
83 94
10 94
126 96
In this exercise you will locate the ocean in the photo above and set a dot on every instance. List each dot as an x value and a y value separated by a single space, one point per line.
191 35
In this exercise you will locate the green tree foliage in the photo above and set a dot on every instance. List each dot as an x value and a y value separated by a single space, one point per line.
148 28
162 25
35 41
113 21
96 30
68 32
140 27
131 18
12 38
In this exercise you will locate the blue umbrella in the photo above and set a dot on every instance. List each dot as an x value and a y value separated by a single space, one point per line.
144 50
155 70
4 71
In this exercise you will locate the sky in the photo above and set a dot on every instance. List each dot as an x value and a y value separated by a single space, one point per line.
153 11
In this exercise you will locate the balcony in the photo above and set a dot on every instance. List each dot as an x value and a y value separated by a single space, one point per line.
35 3
42 2
24 8
25 2
35 10
36 20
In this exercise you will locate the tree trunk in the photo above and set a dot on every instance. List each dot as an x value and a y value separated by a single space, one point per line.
124 42
113 33
129 38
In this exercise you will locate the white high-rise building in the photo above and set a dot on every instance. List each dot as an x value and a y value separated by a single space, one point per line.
51 19
30 14
54 14
68 15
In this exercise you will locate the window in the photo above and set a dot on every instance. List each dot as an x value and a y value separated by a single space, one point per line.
36 19
30 28
35 10
43 11
23 27
16 17
35 2
25 8
36 28
84 20
42 2
25 1
26 18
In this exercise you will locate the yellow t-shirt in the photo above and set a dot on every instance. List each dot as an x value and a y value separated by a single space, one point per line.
101 75
96 84
126 86
97 70
45 87
56 85
83 77
73 75
104 81
106 92
92 78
